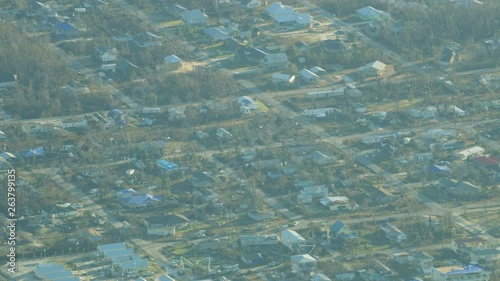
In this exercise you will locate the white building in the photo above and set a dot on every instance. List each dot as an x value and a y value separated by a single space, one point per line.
248 102
292 240
470 272
194 17
472 152
258 240
308 76
280 78
252 4
303 265
286 15
393 233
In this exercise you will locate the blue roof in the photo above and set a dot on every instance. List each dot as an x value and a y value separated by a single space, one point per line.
142 200
34 152
169 166
438 169
466 269
65 26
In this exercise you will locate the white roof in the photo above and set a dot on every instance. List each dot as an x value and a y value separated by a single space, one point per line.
282 13
471 151
278 57
172 59
378 65
165 277
281 76
334 199
317 69
369 11
277 8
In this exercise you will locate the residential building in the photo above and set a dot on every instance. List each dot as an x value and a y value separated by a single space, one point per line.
252 258
393 233
248 102
105 54
251 4
308 76
322 159
253 55
464 247
320 112
318 71
172 62
7 81
337 203
219 33
472 152
369 13
316 191
258 240
146 39
176 10
165 277
424 113
334 46
470 272
284 79
248 154
165 225
375 68
194 17
292 240
320 277
460 189
286 15
3 136
303 265
126 70
261 215
222 133
91 234
48 268
274 61
486 257
341 231
202 179
422 262
73 124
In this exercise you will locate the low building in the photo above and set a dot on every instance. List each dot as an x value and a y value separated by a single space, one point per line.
248 154
460 189
146 39
91 234
194 17
251 4
202 179
248 102
172 62
258 240
222 133
486 257
375 68
292 240
341 231
252 258
472 272
393 233
308 76
320 277
106 54
322 159
334 46
472 152
369 13
284 15
464 247
424 113
303 265
274 61
316 191
283 79
337 203
165 225
318 71
261 215
7 81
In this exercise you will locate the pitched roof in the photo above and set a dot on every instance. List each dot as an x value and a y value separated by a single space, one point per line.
303 258
8 78
488 161
378 65
172 59
65 26
307 74
170 219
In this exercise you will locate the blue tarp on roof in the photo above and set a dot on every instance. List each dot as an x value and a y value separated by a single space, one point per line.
34 152
169 166
65 26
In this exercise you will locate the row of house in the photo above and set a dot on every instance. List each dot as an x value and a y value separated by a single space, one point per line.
52 272
123 258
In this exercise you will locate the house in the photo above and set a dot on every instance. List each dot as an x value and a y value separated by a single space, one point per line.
176 10
303 265
146 39
369 13
53 271
274 61
286 15
318 71
472 152
7 81
337 203
422 262
253 55
266 164
176 113
91 234
486 256
258 240
166 165
252 258
322 159
393 233
202 179
126 70
341 231
172 62
73 123
122 37
316 191
222 133
165 277
261 215
194 17
251 4
63 211
3 136
472 272
463 247
375 68
424 113
218 33
460 189
248 154
308 76
320 277
320 112
165 225
292 240
65 28
282 79
105 54
248 102
333 46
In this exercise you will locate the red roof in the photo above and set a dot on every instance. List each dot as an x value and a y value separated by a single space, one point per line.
488 161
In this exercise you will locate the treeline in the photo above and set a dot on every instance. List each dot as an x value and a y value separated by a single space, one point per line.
36 65
194 86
